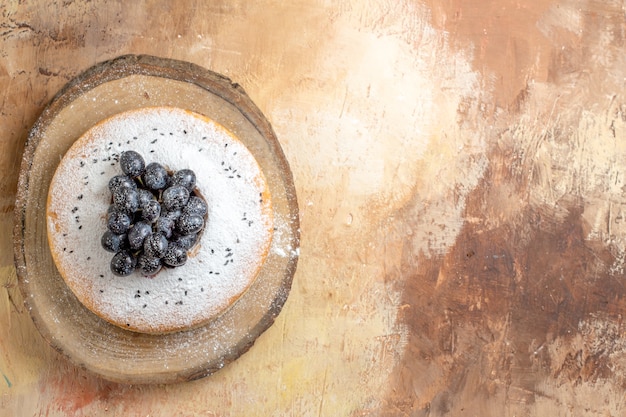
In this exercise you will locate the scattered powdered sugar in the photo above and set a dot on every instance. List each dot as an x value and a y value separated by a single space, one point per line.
229 254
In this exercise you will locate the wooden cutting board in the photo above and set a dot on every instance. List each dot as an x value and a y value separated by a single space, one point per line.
113 87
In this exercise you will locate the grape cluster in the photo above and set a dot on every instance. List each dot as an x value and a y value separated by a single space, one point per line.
154 219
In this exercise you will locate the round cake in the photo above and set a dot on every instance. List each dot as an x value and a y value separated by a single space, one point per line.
229 252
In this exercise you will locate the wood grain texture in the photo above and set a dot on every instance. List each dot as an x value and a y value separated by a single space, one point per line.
460 171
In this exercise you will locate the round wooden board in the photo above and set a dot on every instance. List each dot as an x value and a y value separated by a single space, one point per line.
116 354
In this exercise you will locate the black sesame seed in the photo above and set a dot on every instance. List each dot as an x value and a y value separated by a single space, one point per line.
82 164
185 132
72 251
185 292
101 276
154 129
95 161
201 289
166 302
89 258
64 249
80 197
101 291
145 305
80 227
180 279
137 295
154 141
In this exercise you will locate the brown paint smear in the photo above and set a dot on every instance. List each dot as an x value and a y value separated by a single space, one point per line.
477 316
508 48
483 317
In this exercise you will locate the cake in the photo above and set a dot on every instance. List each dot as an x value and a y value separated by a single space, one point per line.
228 254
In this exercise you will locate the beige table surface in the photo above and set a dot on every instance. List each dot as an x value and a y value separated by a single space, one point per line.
460 167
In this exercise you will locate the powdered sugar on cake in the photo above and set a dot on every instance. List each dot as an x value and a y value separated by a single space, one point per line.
231 249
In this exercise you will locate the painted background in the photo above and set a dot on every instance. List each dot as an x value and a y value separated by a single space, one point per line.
460 166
